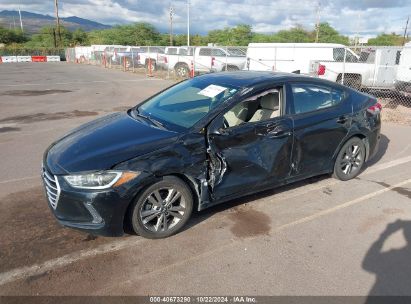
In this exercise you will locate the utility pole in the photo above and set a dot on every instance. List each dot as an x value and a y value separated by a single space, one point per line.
56 7
171 24
188 22
317 25
21 21
405 31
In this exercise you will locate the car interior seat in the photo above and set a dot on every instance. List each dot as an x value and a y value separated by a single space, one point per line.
270 107
237 115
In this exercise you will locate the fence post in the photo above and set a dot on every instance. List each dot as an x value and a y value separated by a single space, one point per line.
226 59
345 58
149 63
132 58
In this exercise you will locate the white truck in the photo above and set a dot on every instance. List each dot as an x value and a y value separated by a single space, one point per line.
150 56
376 68
203 59
403 79
290 57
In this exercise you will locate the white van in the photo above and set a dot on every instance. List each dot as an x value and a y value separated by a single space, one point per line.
403 79
290 57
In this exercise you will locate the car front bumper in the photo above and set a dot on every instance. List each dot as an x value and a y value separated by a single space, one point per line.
99 212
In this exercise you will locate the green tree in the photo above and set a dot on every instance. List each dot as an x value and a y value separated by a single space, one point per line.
132 34
327 34
79 37
386 39
239 35
48 37
11 36
296 34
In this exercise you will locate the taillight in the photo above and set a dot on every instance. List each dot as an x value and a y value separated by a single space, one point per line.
165 59
212 61
375 109
321 70
138 56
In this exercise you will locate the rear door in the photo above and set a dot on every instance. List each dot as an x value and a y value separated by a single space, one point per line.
322 118
249 153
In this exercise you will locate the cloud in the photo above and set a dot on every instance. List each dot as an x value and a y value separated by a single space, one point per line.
368 17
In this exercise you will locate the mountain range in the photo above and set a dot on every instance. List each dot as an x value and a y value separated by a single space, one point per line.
32 22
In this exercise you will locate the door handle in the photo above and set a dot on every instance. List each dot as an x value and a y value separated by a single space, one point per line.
279 133
342 119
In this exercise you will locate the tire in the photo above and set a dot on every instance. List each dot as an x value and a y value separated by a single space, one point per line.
162 209
350 161
182 70
352 81
231 68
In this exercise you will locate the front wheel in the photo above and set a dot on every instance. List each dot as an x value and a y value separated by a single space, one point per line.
350 159
162 209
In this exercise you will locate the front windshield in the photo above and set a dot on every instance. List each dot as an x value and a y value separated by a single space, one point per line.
186 103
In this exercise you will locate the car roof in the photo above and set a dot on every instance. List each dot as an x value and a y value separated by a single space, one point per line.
252 78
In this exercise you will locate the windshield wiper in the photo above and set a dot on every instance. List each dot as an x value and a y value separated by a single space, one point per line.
151 119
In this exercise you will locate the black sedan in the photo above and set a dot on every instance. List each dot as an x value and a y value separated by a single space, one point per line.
202 142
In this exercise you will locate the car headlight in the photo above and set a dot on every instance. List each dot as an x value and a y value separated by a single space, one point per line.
100 180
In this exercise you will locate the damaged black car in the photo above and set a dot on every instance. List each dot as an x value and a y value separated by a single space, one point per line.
202 142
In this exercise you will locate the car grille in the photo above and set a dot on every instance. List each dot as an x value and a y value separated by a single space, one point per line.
52 188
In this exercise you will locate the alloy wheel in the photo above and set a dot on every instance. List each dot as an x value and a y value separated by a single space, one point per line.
352 159
162 209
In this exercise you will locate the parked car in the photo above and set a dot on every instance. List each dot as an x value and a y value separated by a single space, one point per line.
175 58
376 68
128 56
203 59
150 56
403 79
290 57
202 142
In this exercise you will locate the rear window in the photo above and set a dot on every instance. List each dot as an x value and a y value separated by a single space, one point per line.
312 97
205 52
339 53
172 51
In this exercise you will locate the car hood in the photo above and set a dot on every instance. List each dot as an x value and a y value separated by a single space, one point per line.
103 143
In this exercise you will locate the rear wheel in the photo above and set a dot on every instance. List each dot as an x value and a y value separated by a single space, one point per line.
350 159
231 68
352 81
162 209
182 70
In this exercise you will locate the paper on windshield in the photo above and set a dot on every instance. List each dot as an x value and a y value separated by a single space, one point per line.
212 90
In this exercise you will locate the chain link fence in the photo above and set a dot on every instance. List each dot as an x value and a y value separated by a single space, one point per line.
384 72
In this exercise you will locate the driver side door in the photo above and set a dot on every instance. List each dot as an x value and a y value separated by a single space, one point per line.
253 151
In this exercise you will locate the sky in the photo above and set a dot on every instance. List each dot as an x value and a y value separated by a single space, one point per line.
350 17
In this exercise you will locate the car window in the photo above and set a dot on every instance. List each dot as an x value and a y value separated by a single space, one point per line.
311 97
260 107
205 52
339 53
186 103
217 52
172 51
397 57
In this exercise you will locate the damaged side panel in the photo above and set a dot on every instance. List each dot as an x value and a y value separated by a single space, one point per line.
187 158
252 155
